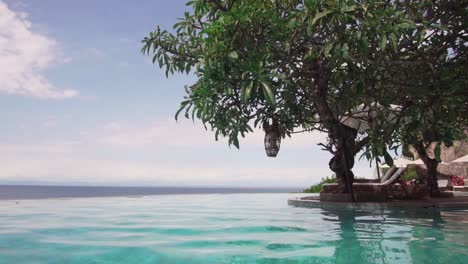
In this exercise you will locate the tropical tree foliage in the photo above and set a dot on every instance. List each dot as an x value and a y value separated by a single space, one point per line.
304 64
432 73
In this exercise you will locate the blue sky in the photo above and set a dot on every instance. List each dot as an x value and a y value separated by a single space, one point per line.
79 104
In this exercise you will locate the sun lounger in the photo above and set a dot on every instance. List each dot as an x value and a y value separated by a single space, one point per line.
390 177
388 180
376 192
388 173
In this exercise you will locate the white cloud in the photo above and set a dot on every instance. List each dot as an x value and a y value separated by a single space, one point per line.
69 162
24 56
162 132
185 133
163 153
116 153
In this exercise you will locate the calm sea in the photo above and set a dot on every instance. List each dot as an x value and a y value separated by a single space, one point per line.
16 192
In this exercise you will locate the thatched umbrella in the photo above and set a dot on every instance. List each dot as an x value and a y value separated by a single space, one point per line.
463 159
363 116
457 167
402 162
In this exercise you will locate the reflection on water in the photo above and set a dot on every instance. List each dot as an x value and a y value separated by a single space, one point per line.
243 228
401 236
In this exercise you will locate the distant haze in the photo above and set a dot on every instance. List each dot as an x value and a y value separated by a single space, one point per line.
18 192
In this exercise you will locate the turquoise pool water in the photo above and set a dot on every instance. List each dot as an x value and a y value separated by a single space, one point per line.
229 228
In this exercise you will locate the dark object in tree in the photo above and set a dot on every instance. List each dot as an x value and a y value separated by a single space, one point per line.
272 138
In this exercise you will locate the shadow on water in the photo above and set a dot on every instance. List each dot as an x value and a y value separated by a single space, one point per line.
426 235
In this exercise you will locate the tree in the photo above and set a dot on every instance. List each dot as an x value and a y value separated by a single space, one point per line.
439 115
302 64
433 92
427 129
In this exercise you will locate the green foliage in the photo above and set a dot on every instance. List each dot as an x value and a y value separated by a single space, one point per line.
428 79
406 151
410 174
257 60
318 187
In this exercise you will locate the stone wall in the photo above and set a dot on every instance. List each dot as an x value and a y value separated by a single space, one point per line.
458 150
446 171
376 192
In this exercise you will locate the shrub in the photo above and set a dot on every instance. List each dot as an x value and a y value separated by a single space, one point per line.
318 187
410 174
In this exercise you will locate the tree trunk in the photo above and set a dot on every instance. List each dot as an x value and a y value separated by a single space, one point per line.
343 159
342 136
431 168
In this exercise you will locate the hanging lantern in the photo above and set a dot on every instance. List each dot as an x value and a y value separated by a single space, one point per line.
272 138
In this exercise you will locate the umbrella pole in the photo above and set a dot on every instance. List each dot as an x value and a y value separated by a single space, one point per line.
377 166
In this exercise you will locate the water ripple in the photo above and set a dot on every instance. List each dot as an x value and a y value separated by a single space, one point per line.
246 228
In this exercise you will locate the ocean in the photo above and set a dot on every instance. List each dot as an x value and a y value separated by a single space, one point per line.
13 192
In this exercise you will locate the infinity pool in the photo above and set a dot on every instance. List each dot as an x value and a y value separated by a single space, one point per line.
224 228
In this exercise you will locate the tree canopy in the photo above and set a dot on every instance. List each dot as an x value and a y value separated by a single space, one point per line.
305 64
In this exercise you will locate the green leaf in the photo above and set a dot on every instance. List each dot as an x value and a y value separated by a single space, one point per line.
383 42
269 95
235 141
309 4
363 44
311 54
388 158
182 107
309 29
406 26
406 151
349 9
327 48
409 22
345 51
422 36
189 3
287 46
229 90
319 15
233 55
178 112
246 90
394 41
257 121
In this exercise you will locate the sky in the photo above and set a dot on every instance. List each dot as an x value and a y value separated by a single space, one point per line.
80 105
